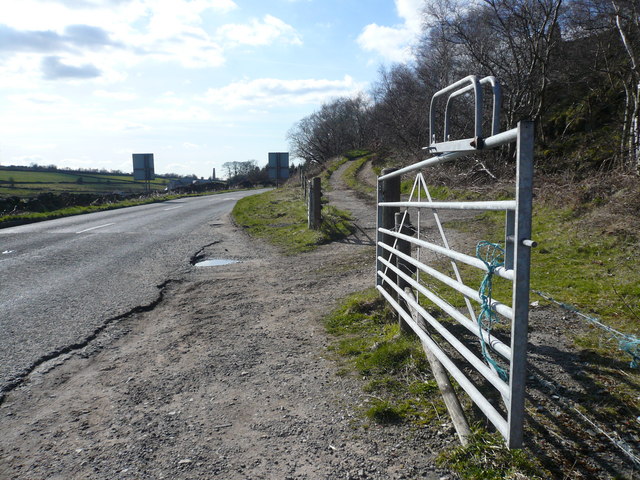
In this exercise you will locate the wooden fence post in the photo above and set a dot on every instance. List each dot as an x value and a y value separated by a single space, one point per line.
388 191
315 205
404 246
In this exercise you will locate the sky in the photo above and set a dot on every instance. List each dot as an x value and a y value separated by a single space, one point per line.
87 83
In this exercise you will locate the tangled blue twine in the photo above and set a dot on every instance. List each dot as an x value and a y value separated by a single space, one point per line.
492 255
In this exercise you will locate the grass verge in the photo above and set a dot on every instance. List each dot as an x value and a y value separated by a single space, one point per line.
368 344
31 217
486 458
280 217
401 388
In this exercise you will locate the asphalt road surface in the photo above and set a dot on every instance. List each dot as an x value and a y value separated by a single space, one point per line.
62 280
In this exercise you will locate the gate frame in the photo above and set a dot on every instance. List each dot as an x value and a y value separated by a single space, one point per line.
518 214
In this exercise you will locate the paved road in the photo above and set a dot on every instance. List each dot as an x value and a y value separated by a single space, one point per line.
61 280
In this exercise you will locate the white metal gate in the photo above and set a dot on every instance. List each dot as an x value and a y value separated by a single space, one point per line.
395 265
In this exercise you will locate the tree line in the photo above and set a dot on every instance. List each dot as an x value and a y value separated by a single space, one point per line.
572 66
34 167
245 173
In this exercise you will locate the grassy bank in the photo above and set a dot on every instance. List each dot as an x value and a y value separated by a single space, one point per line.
280 217
28 183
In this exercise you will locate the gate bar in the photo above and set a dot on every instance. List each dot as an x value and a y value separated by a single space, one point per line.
495 343
473 360
498 205
489 142
520 303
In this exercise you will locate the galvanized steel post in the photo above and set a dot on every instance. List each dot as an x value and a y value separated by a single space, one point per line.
522 259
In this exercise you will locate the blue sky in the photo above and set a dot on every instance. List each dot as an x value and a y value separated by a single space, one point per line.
86 83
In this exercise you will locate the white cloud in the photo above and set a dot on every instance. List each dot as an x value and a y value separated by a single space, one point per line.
411 12
256 32
38 99
153 115
44 146
394 43
112 124
170 100
111 95
276 92
170 17
191 48
98 40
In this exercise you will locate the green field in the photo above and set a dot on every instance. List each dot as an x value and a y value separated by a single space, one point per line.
29 183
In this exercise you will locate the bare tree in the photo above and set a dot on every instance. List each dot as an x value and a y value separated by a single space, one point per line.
610 31
513 40
400 116
337 127
626 15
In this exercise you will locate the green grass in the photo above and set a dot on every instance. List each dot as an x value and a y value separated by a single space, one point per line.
368 342
486 458
280 217
401 388
574 264
437 192
597 273
357 153
24 183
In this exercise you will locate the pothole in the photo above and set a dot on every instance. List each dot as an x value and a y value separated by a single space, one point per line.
215 262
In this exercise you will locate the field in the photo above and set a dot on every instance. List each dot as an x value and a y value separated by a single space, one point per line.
30 183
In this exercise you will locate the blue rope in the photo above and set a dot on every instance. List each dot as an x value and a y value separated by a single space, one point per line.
629 344
492 255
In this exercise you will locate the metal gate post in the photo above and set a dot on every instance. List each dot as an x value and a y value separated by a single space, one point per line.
522 254
379 249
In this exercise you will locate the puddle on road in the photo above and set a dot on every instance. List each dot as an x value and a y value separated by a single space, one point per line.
215 262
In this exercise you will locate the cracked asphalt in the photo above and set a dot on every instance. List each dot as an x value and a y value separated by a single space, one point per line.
62 281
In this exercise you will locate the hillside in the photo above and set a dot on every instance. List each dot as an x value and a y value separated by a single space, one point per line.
28 182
